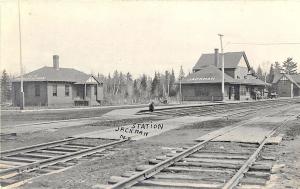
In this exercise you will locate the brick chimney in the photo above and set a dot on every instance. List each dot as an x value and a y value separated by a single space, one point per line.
56 62
216 57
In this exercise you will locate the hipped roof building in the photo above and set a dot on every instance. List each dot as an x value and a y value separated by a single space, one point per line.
56 86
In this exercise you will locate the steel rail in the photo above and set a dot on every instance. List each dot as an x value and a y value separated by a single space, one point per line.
218 107
240 173
56 121
192 110
220 104
35 147
251 108
166 163
54 160
126 183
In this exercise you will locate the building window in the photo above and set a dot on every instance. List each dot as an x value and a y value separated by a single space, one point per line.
95 90
243 91
67 90
37 90
54 91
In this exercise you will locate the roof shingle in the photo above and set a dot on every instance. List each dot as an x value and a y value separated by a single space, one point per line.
52 74
208 74
212 74
231 60
295 78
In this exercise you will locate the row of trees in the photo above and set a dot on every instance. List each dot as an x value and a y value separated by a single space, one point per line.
122 88
288 66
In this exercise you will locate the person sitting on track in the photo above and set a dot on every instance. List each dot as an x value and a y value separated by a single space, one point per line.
151 107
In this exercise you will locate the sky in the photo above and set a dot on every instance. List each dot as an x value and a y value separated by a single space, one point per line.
144 36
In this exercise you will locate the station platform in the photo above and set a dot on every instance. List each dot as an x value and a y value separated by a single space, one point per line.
137 131
134 112
253 131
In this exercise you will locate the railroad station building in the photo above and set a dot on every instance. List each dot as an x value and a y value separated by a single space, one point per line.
56 86
286 85
205 83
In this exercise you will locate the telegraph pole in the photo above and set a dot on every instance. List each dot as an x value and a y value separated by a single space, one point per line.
180 90
21 66
222 61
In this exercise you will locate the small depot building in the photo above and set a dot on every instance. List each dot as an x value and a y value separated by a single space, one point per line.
205 83
56 86
286 85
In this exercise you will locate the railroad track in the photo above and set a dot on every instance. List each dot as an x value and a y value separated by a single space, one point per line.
47 158
207 164
244 107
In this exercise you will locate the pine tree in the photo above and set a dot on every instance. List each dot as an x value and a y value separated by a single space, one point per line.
172 84
160 85
115 82
154 85
5 87
289 66
181 73
167 82
108 84
136 91
129 86
259 73
122 84
277 68
144 83
271 73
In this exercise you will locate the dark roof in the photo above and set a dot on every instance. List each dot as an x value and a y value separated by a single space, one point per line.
295 78
212 74
276 78
208 74
52 74
231 60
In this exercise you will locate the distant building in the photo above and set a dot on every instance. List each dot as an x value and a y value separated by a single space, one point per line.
287 85
55 86
205 83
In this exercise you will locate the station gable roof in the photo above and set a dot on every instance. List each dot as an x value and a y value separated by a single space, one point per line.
295 78
208 74
61 74
212 74
231 60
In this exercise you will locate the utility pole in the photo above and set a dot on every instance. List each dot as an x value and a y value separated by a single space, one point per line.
21 66
265 85
168 87
180 90
222 61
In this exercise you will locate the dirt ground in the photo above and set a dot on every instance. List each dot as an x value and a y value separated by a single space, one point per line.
128 156
288 153
17 117
48 135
